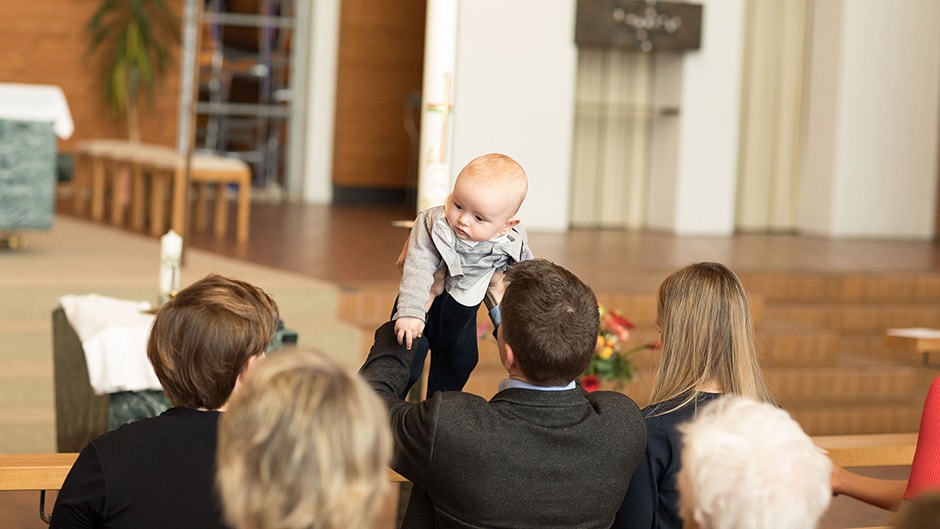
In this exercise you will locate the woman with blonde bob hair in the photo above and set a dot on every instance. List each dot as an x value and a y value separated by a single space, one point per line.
708 349
304 444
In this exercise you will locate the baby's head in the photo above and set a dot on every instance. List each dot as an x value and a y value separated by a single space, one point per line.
486 197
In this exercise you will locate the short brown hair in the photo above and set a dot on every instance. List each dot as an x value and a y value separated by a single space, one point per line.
550 320
203 337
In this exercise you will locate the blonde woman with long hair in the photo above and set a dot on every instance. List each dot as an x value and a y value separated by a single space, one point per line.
708 349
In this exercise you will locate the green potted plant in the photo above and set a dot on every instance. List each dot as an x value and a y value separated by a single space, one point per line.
138 38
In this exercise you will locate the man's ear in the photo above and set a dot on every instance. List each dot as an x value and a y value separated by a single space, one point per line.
510 224
509 358
251 361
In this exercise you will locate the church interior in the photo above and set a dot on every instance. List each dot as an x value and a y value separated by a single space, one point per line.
799 154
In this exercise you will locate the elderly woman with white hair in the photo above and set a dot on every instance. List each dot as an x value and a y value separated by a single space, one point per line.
749 465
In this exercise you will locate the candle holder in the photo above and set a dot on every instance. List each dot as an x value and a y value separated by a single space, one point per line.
171 251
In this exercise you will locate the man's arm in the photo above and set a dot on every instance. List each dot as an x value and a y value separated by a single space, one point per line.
387 369
388 366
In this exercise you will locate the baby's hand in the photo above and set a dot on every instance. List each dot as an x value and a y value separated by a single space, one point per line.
408 329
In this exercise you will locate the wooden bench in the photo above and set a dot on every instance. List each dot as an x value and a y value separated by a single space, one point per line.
34 471
42 472
869 450
130 172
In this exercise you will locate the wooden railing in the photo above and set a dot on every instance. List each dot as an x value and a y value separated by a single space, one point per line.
44 472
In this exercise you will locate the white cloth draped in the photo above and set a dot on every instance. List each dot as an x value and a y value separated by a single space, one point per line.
32 102
114 335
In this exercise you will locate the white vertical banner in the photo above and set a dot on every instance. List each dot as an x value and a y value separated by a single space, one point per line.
437 105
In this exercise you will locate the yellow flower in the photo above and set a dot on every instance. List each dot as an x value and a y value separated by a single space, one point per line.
605 353
600 343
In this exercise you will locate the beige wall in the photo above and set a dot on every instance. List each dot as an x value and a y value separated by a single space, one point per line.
45 42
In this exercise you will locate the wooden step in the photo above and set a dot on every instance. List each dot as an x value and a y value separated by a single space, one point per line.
827 419
367 305
867 317
861 384
796 344
845 287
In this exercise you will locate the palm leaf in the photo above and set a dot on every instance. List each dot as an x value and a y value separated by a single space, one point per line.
137 37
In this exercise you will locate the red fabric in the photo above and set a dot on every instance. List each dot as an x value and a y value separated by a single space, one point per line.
925 469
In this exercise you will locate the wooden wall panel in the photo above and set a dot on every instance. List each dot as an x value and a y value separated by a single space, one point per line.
381 59
45 42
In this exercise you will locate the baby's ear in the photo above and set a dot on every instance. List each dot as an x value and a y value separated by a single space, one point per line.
510 224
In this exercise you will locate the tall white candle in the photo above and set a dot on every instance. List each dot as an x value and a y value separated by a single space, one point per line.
437 91
171 251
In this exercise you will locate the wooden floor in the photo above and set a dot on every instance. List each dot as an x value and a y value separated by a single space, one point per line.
803 283
351 245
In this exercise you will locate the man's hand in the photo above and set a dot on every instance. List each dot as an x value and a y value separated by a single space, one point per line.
494 292
408 329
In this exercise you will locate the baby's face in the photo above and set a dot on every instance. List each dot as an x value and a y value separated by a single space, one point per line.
477 212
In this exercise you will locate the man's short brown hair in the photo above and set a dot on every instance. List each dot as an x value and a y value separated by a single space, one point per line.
550 320
202 339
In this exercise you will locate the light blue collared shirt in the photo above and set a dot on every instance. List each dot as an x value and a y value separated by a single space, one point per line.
508 383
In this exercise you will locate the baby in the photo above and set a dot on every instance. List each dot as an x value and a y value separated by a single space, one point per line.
475 235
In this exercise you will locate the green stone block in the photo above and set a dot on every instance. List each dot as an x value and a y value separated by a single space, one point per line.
27 175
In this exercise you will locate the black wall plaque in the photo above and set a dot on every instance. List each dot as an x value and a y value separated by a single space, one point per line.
638 25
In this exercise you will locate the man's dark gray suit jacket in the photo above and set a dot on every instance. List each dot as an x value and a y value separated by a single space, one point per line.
524 459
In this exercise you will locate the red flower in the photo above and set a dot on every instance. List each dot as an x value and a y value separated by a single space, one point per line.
590 383
620 320
614 323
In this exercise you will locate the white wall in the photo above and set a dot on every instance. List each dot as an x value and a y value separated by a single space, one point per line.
698 198
871 152
870 155
515 81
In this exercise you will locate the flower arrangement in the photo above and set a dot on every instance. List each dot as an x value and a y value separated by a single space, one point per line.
611 360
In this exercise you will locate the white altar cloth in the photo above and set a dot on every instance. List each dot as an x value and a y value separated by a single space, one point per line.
33 102
114 335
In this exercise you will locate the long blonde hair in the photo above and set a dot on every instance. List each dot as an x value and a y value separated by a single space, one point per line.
707 337
303 444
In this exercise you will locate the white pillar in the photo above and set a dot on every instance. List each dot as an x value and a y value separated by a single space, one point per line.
320 50
437 103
